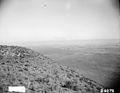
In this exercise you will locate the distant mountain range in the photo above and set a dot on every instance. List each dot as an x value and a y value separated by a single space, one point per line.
20 66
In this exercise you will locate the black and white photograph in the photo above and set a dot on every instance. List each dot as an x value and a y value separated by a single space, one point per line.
59 46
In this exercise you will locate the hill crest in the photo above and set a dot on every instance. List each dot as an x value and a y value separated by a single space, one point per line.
39 74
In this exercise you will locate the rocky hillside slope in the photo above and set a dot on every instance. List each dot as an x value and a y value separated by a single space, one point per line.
39 74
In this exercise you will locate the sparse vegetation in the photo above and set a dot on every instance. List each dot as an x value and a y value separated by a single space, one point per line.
39 74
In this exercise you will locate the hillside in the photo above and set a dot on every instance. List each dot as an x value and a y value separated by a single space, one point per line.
40 74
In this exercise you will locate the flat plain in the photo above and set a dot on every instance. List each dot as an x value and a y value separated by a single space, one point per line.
98 60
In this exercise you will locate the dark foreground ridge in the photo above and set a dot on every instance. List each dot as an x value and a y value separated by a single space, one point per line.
20 66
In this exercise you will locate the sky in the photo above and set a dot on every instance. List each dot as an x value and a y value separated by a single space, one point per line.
47 20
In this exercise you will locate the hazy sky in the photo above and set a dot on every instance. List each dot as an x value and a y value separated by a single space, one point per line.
44 20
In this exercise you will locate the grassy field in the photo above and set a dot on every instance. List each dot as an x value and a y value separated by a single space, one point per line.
96 60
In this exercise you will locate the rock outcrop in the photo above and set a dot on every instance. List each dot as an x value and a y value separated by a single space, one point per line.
20 66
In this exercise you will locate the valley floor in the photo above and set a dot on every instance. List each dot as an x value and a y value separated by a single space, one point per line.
98 62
